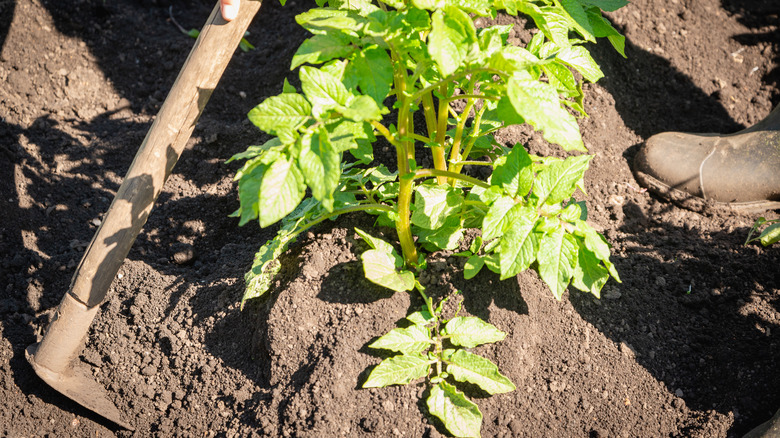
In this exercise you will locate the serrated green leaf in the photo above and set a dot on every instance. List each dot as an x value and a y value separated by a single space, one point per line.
281 190
597 244
323 90
430 5
459 415
362 108
473 265
375 243
558 181
493 38
381 174
248 189
560 77
503 114
329 21
278 115
476 245
770 235
398 4
607 5
579 59
579 18
589 274
434 204
573 212
373 72
322 48
287 88
511 59
469 367
344 135
410 340
453 39
496 220
398 370
379 268
553 21
446 237
513 172
519 242
321 166
421 317
603 28
469 331
557 257
539 105
266 264
254 151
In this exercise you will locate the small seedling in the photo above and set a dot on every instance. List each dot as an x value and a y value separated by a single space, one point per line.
769 235
437 349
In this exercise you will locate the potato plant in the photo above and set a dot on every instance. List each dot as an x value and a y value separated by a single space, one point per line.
367 71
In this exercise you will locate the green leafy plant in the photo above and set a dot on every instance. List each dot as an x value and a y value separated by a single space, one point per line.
365 74
423 352
769 235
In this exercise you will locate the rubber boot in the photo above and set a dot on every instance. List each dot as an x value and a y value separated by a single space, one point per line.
770 429
739 171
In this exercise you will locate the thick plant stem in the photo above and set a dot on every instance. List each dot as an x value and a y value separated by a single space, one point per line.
403 225
433 133
439 158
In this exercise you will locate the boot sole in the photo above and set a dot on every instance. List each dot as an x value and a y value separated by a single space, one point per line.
699 205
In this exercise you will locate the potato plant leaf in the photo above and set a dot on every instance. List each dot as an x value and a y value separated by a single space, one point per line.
373 71
469 367
469 331
589 275
321 166
473 265
452 40
410 340
323 90
379 268
398 370
447 236
322 48
513 172
497 218
557 256
579 59
519 243
433 204
281 190
539 105
280 115
557 182
459 415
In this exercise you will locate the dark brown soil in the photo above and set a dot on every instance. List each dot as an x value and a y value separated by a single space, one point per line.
688 345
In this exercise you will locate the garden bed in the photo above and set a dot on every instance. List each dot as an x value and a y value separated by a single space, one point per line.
687 345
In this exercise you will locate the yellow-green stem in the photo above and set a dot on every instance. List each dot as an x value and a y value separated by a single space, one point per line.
455 152
439 160
403 224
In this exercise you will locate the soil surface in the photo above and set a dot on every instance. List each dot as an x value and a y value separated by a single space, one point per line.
688 345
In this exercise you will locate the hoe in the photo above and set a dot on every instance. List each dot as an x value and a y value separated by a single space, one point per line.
56 357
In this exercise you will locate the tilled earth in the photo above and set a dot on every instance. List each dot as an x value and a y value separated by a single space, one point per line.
688 345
